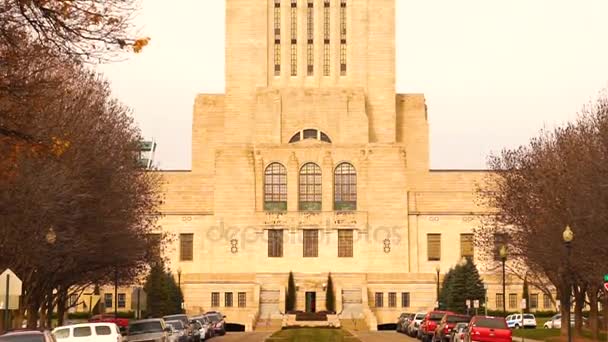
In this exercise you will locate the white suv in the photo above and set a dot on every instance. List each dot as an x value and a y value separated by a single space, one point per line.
516 321
414 326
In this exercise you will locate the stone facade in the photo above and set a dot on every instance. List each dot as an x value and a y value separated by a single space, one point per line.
383 135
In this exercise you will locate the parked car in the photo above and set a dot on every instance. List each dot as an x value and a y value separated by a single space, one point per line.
27 335
194 331
89 332
457 334
177 317
149 330
429 324
203 328
179 332
122 323
207 326
487 329
517 321
218 322
445 326
414 326
401 321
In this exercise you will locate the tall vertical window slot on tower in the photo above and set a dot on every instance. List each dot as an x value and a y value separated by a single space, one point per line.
294 37
310 34
343 37
326 35
277 37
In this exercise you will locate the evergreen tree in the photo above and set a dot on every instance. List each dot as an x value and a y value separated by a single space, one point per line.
164 296
444 294
330 297
464 284
526 294
290 296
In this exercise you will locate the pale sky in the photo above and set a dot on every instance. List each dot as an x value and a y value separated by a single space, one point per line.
494 72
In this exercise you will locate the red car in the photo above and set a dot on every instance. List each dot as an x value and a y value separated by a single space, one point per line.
443 333
488 329
429 324
122 323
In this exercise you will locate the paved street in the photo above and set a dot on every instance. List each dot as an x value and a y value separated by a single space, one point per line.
242 337
383 336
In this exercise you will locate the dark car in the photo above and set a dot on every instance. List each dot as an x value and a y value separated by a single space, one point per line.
443 332
488 329
429 324
218 322
402 321
27 336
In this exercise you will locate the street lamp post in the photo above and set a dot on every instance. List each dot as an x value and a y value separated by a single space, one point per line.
503 258
568 236
438 269
179 278
116 292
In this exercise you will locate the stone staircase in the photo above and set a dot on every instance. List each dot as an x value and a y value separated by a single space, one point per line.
357 324
268 324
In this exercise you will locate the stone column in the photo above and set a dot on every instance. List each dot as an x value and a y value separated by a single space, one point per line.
293 171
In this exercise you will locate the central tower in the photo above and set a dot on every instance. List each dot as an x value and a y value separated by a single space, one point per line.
310 45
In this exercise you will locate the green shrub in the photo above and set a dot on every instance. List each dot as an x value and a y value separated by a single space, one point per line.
79 315
290 296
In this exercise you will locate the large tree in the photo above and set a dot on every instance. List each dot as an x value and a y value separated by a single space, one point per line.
164 295
78 208
460 284
536 190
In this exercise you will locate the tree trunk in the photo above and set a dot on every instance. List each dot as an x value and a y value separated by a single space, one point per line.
49 310
579 305
565 310
32 315
593 312
605 307
61 304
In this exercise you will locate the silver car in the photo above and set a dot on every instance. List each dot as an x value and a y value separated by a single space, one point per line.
149 330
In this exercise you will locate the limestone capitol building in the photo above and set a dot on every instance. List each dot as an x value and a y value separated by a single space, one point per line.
311 163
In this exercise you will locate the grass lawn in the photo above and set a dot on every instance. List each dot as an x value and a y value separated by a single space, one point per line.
312 335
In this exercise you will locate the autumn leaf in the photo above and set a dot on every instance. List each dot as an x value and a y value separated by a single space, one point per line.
139 44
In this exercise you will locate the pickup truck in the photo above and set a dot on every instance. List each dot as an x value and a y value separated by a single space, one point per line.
429 324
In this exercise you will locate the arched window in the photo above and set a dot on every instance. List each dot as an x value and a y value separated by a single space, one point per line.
275 187
345 187
310 187
310 133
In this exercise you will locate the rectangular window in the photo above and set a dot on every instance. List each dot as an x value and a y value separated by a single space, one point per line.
275 243
310 38
500 239
155 251
433 242
547 304
107 300
242 299
326 38
466 245
499 301
72 300
294 37
392 299
311 243
343 37
215 299
534 301
345 243
122 300
277 37
513 301
185 247
228 299
379 299
405 299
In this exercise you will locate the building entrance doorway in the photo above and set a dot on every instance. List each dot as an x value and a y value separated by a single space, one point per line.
311 301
